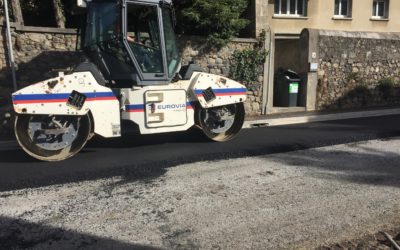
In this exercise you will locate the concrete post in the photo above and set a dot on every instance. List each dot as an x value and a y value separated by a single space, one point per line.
312 76
269 80
261 15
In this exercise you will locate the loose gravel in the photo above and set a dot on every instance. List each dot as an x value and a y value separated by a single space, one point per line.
301 200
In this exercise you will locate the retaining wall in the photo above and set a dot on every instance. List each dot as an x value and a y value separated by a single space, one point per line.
351 64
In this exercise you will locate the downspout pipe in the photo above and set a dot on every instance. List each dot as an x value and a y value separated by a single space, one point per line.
10 48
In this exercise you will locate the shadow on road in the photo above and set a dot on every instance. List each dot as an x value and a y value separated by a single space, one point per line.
20 234
134 139
365 166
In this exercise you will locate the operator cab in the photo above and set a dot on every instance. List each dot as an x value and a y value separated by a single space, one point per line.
132 42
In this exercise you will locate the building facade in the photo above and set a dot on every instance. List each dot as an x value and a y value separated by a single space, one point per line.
290 17
335 46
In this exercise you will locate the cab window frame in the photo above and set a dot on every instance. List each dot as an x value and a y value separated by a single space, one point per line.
155 78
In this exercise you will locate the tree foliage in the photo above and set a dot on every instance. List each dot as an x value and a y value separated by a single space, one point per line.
38 13
46 13
219 20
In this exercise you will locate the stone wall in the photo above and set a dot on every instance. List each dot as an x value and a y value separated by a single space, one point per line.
37 52
193 49
351 66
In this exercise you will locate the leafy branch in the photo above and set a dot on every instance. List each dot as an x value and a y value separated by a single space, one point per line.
248 63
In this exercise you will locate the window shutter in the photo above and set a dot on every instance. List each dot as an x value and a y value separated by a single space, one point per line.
350 14
305 4
336 7
387 9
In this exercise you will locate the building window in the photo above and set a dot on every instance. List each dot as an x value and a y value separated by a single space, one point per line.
343 8
380 9
291 7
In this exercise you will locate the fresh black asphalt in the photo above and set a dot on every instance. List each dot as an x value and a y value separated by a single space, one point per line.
142 158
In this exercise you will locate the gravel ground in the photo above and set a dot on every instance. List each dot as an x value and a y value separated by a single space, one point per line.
302 200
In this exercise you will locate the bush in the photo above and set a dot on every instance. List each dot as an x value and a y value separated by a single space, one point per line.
248 64
360 90
354 76
386 87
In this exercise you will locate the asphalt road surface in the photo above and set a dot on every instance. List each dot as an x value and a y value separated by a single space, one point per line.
179 191
139 157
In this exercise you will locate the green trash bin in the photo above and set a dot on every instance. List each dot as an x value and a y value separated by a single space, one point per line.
286 88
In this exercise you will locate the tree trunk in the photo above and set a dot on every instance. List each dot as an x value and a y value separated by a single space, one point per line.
59 13
17 12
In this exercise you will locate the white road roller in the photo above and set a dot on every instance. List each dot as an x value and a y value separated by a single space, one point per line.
133 73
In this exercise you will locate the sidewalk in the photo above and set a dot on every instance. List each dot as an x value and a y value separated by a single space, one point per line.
316 116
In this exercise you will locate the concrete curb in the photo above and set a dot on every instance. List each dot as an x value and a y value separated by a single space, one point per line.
318 118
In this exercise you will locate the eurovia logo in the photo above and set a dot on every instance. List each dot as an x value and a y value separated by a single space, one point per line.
177 107
171 106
